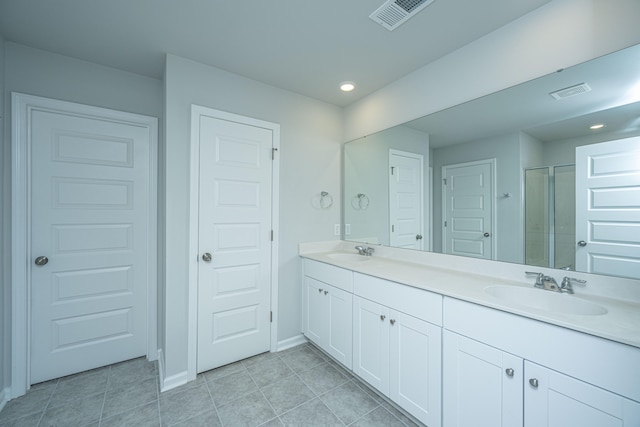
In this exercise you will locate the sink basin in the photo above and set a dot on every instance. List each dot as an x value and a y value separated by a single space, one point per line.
347 257
545 300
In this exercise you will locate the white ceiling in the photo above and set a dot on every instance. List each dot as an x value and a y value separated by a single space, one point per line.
303 46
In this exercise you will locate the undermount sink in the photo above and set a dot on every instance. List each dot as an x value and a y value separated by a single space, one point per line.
347 257
545 300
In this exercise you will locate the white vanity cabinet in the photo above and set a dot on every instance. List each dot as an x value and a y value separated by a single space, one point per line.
501 369
482 385
553 399
328 309
397 344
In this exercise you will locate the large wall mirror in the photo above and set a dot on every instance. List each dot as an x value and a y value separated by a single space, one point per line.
519 175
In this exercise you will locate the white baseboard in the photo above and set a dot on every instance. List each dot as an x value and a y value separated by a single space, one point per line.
291 342
4 397
173 381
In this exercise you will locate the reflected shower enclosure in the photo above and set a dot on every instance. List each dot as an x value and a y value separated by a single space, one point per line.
550 206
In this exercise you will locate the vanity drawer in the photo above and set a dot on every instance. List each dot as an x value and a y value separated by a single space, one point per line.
416 302
332 275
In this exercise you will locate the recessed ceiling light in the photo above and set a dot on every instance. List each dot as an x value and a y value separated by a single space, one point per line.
597 126
347 86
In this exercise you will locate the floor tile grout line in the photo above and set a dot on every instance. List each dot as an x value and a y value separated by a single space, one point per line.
55 387
265 398
364 415
362 386
104 396
213 402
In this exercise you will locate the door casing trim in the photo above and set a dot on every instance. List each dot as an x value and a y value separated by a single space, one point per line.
198 111
22 106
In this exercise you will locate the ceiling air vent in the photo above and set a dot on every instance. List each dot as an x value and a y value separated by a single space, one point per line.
396 12
571 91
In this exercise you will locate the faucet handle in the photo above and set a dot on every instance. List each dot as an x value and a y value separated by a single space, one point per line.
539 278
567 281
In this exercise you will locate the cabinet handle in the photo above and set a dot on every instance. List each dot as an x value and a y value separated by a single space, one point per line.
382 317
319 291
392 321
326 292
533 382
509 372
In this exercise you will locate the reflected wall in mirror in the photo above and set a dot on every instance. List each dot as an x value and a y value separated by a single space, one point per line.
474 198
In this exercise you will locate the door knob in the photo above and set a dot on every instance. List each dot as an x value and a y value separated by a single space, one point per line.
533 382
486 234
509 372
382 317
418 236
582 243
41 260
206 257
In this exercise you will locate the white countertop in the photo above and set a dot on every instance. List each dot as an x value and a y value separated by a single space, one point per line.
621 323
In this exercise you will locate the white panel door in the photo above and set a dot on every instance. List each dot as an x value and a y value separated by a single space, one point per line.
316 324
371 343
556 400
416 367
406 207
339 319
234 286
482 386
467 203
608 208
89 215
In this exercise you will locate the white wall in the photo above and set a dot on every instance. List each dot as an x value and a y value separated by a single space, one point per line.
310 163
506 150
559 34
41 73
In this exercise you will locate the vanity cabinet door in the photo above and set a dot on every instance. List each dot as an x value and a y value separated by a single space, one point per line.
416 366
328 319
339 342
371 343
316 325
556 400
482 386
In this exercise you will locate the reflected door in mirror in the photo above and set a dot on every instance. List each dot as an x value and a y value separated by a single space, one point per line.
608 208
468 209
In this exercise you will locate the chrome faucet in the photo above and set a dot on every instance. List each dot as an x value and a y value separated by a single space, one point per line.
544 282
368 251
565 285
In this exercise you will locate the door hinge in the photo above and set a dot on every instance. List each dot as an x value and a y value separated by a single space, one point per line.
271 316
393 228
392 168
272 235
444 181
445 223
273 153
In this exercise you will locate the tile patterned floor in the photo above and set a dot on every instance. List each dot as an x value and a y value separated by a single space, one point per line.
299 386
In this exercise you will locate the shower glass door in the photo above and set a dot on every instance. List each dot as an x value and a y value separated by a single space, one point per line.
537 229
564 217
550 205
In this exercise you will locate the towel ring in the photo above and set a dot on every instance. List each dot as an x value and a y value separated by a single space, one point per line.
325 200
363 201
